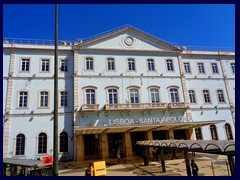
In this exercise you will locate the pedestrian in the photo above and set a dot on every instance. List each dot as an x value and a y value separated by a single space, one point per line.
194 168
174 154
113 153
88 170
154 153
118 154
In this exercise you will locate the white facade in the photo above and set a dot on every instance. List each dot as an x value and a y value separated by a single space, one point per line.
92 114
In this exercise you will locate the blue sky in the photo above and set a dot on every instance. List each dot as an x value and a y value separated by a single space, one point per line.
195 25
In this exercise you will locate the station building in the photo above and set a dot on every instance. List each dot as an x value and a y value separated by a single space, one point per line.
114 90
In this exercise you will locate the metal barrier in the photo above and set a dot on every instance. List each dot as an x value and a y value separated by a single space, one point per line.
212 164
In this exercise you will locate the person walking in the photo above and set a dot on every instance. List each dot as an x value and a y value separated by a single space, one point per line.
194 168
88 170
118 154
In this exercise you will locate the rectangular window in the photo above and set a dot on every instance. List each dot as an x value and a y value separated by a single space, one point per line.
192 96
64 98
201 68
45 65
198 132
220 96
233 67
25 65
154 95
170 65
64 65
131 65
90 96
23 98
151 66
89 63
214 68
206 96
44 99
134 98
111 64
112 95
187 67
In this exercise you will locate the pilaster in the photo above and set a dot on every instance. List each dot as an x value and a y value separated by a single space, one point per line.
104 146
128 144
80 148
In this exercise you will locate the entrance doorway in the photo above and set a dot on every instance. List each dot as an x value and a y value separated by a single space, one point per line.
160 135
91 146
137 136
180 134
114 141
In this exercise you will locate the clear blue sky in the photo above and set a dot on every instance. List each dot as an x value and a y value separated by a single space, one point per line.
196 25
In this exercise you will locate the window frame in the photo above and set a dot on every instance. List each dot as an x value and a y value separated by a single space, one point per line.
216 68
21 61
194 96
214 133
150 95
114 63
199 68
60 100
66 143
222 96
199 134
129 94
153 63
169 93
38 141
60 66
41 63
134 61
85 63
16 142
18 99
39 99
204 102
190 70
172 62
227 131
233 71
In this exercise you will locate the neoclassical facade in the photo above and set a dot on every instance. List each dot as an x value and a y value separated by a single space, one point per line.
114 90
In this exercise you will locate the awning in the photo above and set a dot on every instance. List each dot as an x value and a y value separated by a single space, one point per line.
207 146
22 162
143 127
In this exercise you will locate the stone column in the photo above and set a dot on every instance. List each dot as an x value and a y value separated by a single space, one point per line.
104 146
171 135
80 148
149 135
128 144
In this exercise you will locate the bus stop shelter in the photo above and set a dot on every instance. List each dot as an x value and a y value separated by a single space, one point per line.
221 147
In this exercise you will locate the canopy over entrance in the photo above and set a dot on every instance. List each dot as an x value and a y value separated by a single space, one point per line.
144 127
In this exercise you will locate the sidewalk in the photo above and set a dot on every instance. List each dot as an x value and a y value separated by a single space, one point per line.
174 167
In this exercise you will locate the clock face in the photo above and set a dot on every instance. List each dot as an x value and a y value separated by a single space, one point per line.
129 40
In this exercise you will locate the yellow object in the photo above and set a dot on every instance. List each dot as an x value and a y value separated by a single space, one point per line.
99 168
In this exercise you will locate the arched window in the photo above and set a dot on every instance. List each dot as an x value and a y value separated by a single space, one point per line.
174 94
198 132
90 96
228 131
42 143
134 96
214 134
63 141
20 144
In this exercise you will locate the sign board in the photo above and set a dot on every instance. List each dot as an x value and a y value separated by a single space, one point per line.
47 160
42 172
99 168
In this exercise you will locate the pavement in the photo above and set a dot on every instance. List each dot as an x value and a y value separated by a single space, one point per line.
209 165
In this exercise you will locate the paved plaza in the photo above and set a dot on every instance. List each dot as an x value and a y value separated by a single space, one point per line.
135 167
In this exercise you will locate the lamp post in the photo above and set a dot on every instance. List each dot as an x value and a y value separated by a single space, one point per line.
55 121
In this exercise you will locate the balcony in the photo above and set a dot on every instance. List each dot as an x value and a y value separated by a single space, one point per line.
90 107
136 106
177 105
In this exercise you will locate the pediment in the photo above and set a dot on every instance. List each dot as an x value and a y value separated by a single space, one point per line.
127 39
